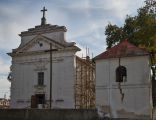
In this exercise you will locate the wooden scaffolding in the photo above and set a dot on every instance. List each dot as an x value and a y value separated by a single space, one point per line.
85 83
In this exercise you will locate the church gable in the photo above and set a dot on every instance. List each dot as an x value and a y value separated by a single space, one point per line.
39 43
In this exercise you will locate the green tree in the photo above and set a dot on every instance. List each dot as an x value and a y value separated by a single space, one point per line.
140 30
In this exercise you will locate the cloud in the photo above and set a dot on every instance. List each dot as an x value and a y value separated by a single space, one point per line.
84 19
81 17
4 87
88 21
4 83
4 69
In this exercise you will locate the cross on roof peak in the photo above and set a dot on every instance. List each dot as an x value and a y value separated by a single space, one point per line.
44 10
43 19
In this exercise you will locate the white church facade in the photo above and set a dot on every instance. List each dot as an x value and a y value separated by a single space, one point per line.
46 73
30 71
123 82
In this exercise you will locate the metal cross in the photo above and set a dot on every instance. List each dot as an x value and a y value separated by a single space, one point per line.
43 11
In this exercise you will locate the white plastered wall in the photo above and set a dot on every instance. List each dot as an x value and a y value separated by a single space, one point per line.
136 90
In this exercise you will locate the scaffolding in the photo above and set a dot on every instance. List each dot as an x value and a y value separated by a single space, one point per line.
85 83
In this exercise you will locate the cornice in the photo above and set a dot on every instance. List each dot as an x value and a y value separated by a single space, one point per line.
38 62
42 52
41 29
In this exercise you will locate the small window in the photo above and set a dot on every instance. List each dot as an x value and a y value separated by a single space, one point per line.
121 74
153 70
40 78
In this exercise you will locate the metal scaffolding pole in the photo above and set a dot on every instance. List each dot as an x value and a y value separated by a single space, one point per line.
84 84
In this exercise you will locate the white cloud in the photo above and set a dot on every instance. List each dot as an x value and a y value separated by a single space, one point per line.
4 83
4 69
4 87
8 36
98 14
80 17
84 19
81 53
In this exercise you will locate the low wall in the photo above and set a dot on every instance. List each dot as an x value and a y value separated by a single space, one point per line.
154 113
47 114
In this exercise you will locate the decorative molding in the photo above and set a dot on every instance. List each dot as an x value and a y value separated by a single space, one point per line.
20 101
42 29
62 47
38 38
39 61
23 101
127 86
39 89
40 64
59 100
42 52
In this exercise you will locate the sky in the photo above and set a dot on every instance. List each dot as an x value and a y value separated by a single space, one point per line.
85 21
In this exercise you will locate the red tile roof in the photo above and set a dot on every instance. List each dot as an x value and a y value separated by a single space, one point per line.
123 49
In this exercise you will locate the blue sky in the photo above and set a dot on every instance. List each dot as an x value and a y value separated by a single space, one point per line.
85 21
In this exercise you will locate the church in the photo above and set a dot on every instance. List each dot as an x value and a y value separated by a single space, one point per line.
46 73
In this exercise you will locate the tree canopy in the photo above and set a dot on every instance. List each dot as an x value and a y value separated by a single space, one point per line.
139 30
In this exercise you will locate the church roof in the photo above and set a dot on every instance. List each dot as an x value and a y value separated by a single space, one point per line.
123 49
41 29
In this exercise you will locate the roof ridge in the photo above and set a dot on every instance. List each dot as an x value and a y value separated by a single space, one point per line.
122 49
43 29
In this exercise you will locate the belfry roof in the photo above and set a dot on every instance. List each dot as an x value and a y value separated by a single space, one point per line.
123 49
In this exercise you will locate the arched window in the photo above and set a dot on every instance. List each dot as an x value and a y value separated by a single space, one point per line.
121 74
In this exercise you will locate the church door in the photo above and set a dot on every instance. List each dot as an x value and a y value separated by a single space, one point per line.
40 98
33 101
